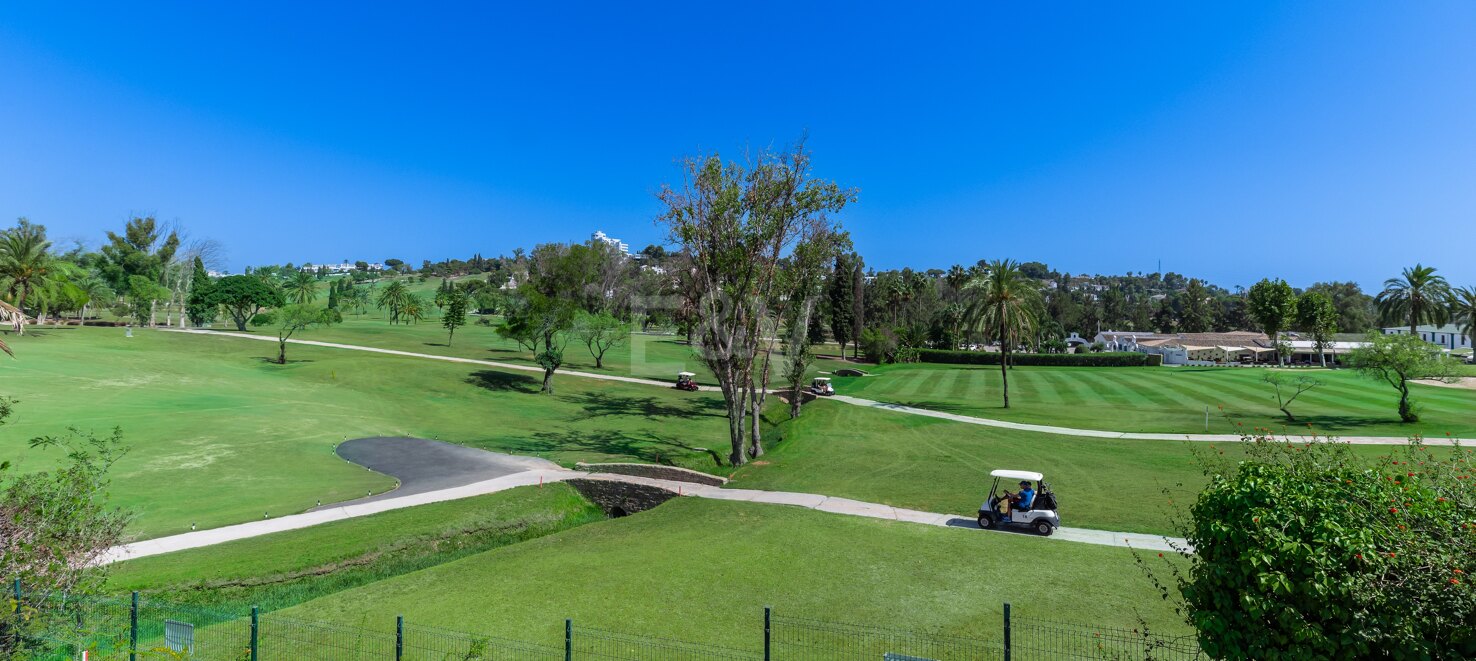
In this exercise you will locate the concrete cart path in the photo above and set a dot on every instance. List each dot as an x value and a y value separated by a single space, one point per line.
535 472
854 401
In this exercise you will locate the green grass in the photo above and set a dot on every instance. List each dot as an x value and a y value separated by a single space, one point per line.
282 569
219 435
1140 399
703 571
936 465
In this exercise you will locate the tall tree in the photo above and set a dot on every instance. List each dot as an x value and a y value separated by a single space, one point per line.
841 291
1418 296
143 250
801 285
600 331
1356 310
1272 304
197 306
1317 317
1196 315
455 315
1006 306
394 298
737 222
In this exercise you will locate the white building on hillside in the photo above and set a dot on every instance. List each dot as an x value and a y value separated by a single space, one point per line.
608 240
344 267
1448 336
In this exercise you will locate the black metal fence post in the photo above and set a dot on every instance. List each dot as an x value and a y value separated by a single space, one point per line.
399 637
766 632
568 639
133 628
255 628
1007 631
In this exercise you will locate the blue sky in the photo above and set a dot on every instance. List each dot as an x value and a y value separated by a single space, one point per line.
1232 141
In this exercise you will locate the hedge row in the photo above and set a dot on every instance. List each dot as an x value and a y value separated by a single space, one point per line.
1116 359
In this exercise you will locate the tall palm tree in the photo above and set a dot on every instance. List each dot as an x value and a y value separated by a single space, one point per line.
1418 296
93 292
1463 310
25 263
302 288
1006 307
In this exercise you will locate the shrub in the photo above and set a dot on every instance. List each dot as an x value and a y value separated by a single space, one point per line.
1306 551
1120 359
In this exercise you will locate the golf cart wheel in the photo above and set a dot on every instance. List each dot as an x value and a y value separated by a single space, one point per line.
1044 528
986 522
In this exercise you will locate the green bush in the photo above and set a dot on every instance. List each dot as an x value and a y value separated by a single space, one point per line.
1120 359
1305 551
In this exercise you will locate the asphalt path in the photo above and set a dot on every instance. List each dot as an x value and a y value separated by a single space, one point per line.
422 465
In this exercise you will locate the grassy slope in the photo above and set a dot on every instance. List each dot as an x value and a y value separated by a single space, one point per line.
1165 399
704 570
218 435
939 466
287 568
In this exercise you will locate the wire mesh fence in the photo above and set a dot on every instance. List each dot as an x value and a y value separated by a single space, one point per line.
1044 639
585 642
804 639
58 628
425 643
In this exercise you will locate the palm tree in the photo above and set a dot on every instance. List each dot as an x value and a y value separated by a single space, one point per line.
25 262
9 314
394 298
414 308
302 288
1418 296
92 290
1006 306
1463 309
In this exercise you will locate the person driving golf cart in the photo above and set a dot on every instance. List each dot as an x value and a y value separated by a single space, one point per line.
821 386
684 382
1021 500
1030 508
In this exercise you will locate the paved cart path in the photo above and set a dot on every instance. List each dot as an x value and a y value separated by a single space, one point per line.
854 401
408 457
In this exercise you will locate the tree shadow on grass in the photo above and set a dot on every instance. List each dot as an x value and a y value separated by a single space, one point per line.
504 381
643 446
290 361
946 407
597 404
435 344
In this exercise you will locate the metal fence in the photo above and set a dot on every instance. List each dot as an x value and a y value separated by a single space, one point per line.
134 629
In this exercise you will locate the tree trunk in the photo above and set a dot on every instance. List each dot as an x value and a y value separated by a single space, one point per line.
153 311
1004 377
548 381
281 352
20 304
1322 355
737 402
1406 410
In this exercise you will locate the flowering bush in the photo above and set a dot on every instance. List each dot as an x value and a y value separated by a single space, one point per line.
1305 551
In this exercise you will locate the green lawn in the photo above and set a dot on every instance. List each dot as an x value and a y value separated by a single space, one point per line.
283 569
703 571
1169 399
936 465
219 435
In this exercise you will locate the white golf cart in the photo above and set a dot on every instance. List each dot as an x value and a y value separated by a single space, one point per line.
821 386
999 511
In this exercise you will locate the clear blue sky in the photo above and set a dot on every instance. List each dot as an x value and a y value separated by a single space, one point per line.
1311 140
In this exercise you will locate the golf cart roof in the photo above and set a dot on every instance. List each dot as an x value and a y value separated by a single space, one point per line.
822 378
686 374
1018 475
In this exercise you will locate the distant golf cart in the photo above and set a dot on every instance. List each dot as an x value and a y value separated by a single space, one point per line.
1040 516
685 382
821 387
